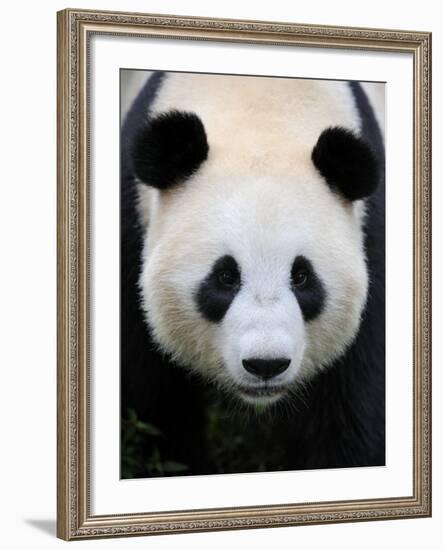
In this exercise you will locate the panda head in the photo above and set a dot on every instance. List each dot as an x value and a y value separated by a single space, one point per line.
254 271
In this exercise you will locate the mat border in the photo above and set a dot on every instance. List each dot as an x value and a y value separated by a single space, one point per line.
74 30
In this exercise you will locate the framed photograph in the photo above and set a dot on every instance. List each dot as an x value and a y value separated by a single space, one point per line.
244 284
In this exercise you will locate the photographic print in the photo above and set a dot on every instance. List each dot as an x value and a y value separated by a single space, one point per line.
244 247
252 274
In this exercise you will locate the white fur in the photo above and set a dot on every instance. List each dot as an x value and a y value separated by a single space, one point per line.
258 198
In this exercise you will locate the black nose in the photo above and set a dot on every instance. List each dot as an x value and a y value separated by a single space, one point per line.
266 368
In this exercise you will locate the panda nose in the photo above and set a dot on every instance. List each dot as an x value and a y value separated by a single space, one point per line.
266 368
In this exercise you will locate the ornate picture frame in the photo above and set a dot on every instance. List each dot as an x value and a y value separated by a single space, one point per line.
75 517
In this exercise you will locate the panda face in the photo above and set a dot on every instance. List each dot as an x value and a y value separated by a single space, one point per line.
254 282
254 272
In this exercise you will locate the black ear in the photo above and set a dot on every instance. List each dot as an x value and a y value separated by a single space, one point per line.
346 162
169 149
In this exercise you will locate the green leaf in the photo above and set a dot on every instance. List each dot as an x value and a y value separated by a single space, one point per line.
170 466
130 461
132 416
148 429
130 432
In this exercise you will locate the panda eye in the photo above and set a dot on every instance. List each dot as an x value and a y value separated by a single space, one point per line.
299 277
228 278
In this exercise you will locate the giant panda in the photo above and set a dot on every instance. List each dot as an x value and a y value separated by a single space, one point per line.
252 271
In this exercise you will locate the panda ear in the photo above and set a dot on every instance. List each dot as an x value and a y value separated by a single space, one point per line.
169 149
347 163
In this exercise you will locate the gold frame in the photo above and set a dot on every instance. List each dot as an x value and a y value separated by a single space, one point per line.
75 27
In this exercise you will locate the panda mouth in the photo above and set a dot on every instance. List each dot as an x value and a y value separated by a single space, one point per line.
261 391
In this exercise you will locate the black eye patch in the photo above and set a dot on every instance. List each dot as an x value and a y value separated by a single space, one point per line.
217 291
308 288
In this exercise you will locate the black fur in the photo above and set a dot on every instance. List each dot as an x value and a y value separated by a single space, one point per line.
213 297
339 419
346 162
169 149
311 295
